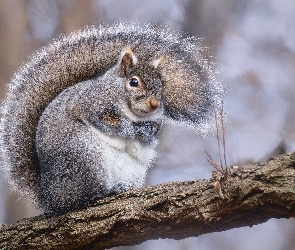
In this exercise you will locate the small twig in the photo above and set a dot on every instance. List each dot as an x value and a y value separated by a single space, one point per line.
223 136
220 168
211 161
217 135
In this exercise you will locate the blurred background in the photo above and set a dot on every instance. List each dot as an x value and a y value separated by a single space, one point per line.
252 43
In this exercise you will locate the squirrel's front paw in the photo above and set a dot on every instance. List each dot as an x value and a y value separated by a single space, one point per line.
146 130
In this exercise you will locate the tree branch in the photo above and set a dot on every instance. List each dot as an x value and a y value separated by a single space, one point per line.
252 195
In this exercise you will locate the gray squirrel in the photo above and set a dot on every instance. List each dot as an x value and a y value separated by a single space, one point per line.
82 116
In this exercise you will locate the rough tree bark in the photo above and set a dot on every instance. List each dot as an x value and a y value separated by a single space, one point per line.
252 195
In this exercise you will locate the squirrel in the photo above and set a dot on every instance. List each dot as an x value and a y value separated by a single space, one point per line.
82 116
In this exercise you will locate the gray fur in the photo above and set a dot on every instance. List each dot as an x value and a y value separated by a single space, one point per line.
50 115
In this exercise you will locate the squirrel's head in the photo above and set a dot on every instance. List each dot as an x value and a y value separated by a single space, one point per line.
143 83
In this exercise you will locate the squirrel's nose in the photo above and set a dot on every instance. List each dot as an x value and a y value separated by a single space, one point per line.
155 103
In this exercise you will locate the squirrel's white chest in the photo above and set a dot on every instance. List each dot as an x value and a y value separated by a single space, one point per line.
125 161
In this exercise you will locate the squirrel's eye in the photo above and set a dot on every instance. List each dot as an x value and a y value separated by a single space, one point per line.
133 82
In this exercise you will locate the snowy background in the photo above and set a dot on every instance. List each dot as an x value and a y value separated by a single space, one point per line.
253 44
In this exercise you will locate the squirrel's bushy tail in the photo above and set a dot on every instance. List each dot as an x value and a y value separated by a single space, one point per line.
189 89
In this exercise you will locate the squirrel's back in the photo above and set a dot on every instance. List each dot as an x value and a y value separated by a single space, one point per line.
189 84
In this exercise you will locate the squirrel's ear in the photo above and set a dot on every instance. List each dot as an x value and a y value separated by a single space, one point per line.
127 61
157 62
